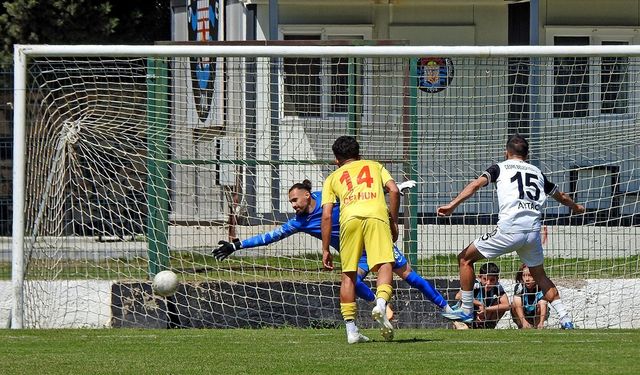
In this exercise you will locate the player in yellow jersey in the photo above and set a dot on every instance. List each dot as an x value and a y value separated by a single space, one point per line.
359 186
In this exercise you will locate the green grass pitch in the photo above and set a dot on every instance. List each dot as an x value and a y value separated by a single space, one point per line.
318 351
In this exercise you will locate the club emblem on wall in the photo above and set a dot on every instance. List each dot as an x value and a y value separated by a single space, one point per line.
434 73
203 26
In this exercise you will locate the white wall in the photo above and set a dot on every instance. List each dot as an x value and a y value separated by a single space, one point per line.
594 303
60 304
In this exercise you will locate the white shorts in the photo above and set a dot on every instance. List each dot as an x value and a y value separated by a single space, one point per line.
528 245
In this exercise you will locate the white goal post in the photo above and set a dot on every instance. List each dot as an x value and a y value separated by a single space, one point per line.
133 159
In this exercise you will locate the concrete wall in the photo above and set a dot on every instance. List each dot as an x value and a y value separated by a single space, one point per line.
590 12
90 304
419 22
60 304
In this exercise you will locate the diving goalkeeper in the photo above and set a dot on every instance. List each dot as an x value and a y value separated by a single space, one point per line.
307 220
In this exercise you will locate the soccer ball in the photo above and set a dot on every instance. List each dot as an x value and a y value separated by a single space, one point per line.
165 283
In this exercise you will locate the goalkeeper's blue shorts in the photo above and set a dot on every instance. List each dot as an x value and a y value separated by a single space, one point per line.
400 260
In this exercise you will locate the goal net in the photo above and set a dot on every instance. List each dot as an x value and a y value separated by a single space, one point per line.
132 160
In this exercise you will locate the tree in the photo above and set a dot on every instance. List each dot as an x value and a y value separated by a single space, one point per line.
82 22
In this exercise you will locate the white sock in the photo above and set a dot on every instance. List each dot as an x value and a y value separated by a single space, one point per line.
561 310
447 309
382 304
467 301
351 326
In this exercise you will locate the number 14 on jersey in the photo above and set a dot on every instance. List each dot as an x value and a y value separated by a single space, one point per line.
363 177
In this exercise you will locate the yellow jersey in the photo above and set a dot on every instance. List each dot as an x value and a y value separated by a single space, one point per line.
359 188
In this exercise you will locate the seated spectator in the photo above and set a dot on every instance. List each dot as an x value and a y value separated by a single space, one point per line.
490 301
529 310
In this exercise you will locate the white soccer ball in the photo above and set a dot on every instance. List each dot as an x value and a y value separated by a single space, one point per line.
165 283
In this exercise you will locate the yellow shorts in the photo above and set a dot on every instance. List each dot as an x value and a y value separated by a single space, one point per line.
360 233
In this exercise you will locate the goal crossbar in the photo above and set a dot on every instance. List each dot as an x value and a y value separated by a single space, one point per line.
319 51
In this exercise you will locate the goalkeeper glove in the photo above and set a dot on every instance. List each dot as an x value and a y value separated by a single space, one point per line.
226 249
409 184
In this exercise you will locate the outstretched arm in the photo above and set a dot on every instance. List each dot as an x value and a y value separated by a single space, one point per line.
465 194
406 185
280 233
403 186
566 200
227 248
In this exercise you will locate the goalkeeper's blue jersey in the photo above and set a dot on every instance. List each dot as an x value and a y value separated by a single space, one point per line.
310 224
306 223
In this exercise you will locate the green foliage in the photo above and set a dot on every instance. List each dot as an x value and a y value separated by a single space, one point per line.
318 351
81 22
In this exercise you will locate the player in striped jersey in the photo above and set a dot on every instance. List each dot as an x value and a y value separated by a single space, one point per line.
522 190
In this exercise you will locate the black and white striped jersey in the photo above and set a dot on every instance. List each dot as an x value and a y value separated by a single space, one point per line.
522 190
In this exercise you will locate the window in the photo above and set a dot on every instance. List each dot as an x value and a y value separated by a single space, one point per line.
614 83
314 87
340 85
6 148
302 88
571 81
585 86
339 70
519 95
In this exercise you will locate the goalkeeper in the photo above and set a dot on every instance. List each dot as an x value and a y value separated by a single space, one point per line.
307 220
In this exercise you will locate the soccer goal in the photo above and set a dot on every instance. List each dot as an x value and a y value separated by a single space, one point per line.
129 160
